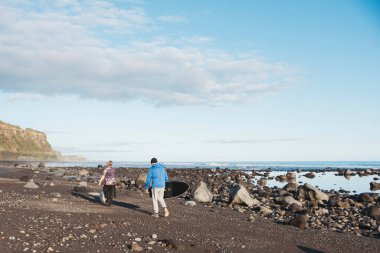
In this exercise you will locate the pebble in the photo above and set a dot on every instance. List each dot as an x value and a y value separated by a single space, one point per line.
154 236
136 247
138 239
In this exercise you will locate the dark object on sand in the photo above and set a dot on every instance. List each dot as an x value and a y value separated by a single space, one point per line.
81 189
173 189
41 165
24 178
100 166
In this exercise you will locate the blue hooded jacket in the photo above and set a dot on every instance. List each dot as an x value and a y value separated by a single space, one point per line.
157 176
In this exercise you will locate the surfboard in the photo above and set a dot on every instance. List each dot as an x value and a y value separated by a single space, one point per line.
173 189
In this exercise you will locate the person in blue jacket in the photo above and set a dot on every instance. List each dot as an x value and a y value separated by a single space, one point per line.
157 176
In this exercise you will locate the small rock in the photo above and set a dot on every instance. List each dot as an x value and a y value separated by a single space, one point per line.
299 222
83 183
56 194
154 236
136 247
265 211
190 203
83 172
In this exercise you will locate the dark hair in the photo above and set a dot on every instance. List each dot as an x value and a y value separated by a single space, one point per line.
153 160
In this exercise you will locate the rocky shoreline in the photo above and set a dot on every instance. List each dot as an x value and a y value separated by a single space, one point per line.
294 209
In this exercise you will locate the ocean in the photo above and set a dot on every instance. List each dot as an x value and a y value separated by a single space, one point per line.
240 165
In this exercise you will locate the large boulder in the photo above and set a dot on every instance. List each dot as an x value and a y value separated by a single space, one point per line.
202 193
141 179
288 200
373 211
314 194
309 175
240 195
374 186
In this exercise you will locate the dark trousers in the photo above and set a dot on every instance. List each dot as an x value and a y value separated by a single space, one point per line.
109 192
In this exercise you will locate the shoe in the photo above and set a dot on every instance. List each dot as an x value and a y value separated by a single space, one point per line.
155 215
166 212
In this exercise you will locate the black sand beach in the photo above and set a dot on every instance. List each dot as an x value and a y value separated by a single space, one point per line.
54 218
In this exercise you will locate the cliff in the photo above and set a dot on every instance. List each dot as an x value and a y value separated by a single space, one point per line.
24 144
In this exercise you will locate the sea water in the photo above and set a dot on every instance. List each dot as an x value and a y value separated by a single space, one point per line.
324 180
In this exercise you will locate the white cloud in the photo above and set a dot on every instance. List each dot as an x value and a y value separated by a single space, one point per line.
63 51
172 19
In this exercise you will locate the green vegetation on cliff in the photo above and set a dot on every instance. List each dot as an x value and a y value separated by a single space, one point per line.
24 144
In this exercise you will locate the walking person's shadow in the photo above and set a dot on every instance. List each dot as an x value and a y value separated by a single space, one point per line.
96 200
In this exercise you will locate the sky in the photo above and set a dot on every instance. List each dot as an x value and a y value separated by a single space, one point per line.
127 80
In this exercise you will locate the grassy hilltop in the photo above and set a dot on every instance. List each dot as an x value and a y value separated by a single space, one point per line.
24 144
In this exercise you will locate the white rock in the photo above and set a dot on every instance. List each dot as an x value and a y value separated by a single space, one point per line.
265 210
138 239
141 179
240 195
190 203
83 172
83 183
31 185
51 184
56 194
154 236
315 194
202 193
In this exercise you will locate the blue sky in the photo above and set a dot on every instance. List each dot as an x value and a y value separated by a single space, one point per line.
195 80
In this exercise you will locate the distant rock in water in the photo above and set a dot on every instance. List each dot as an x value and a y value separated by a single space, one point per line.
374 186
24 144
